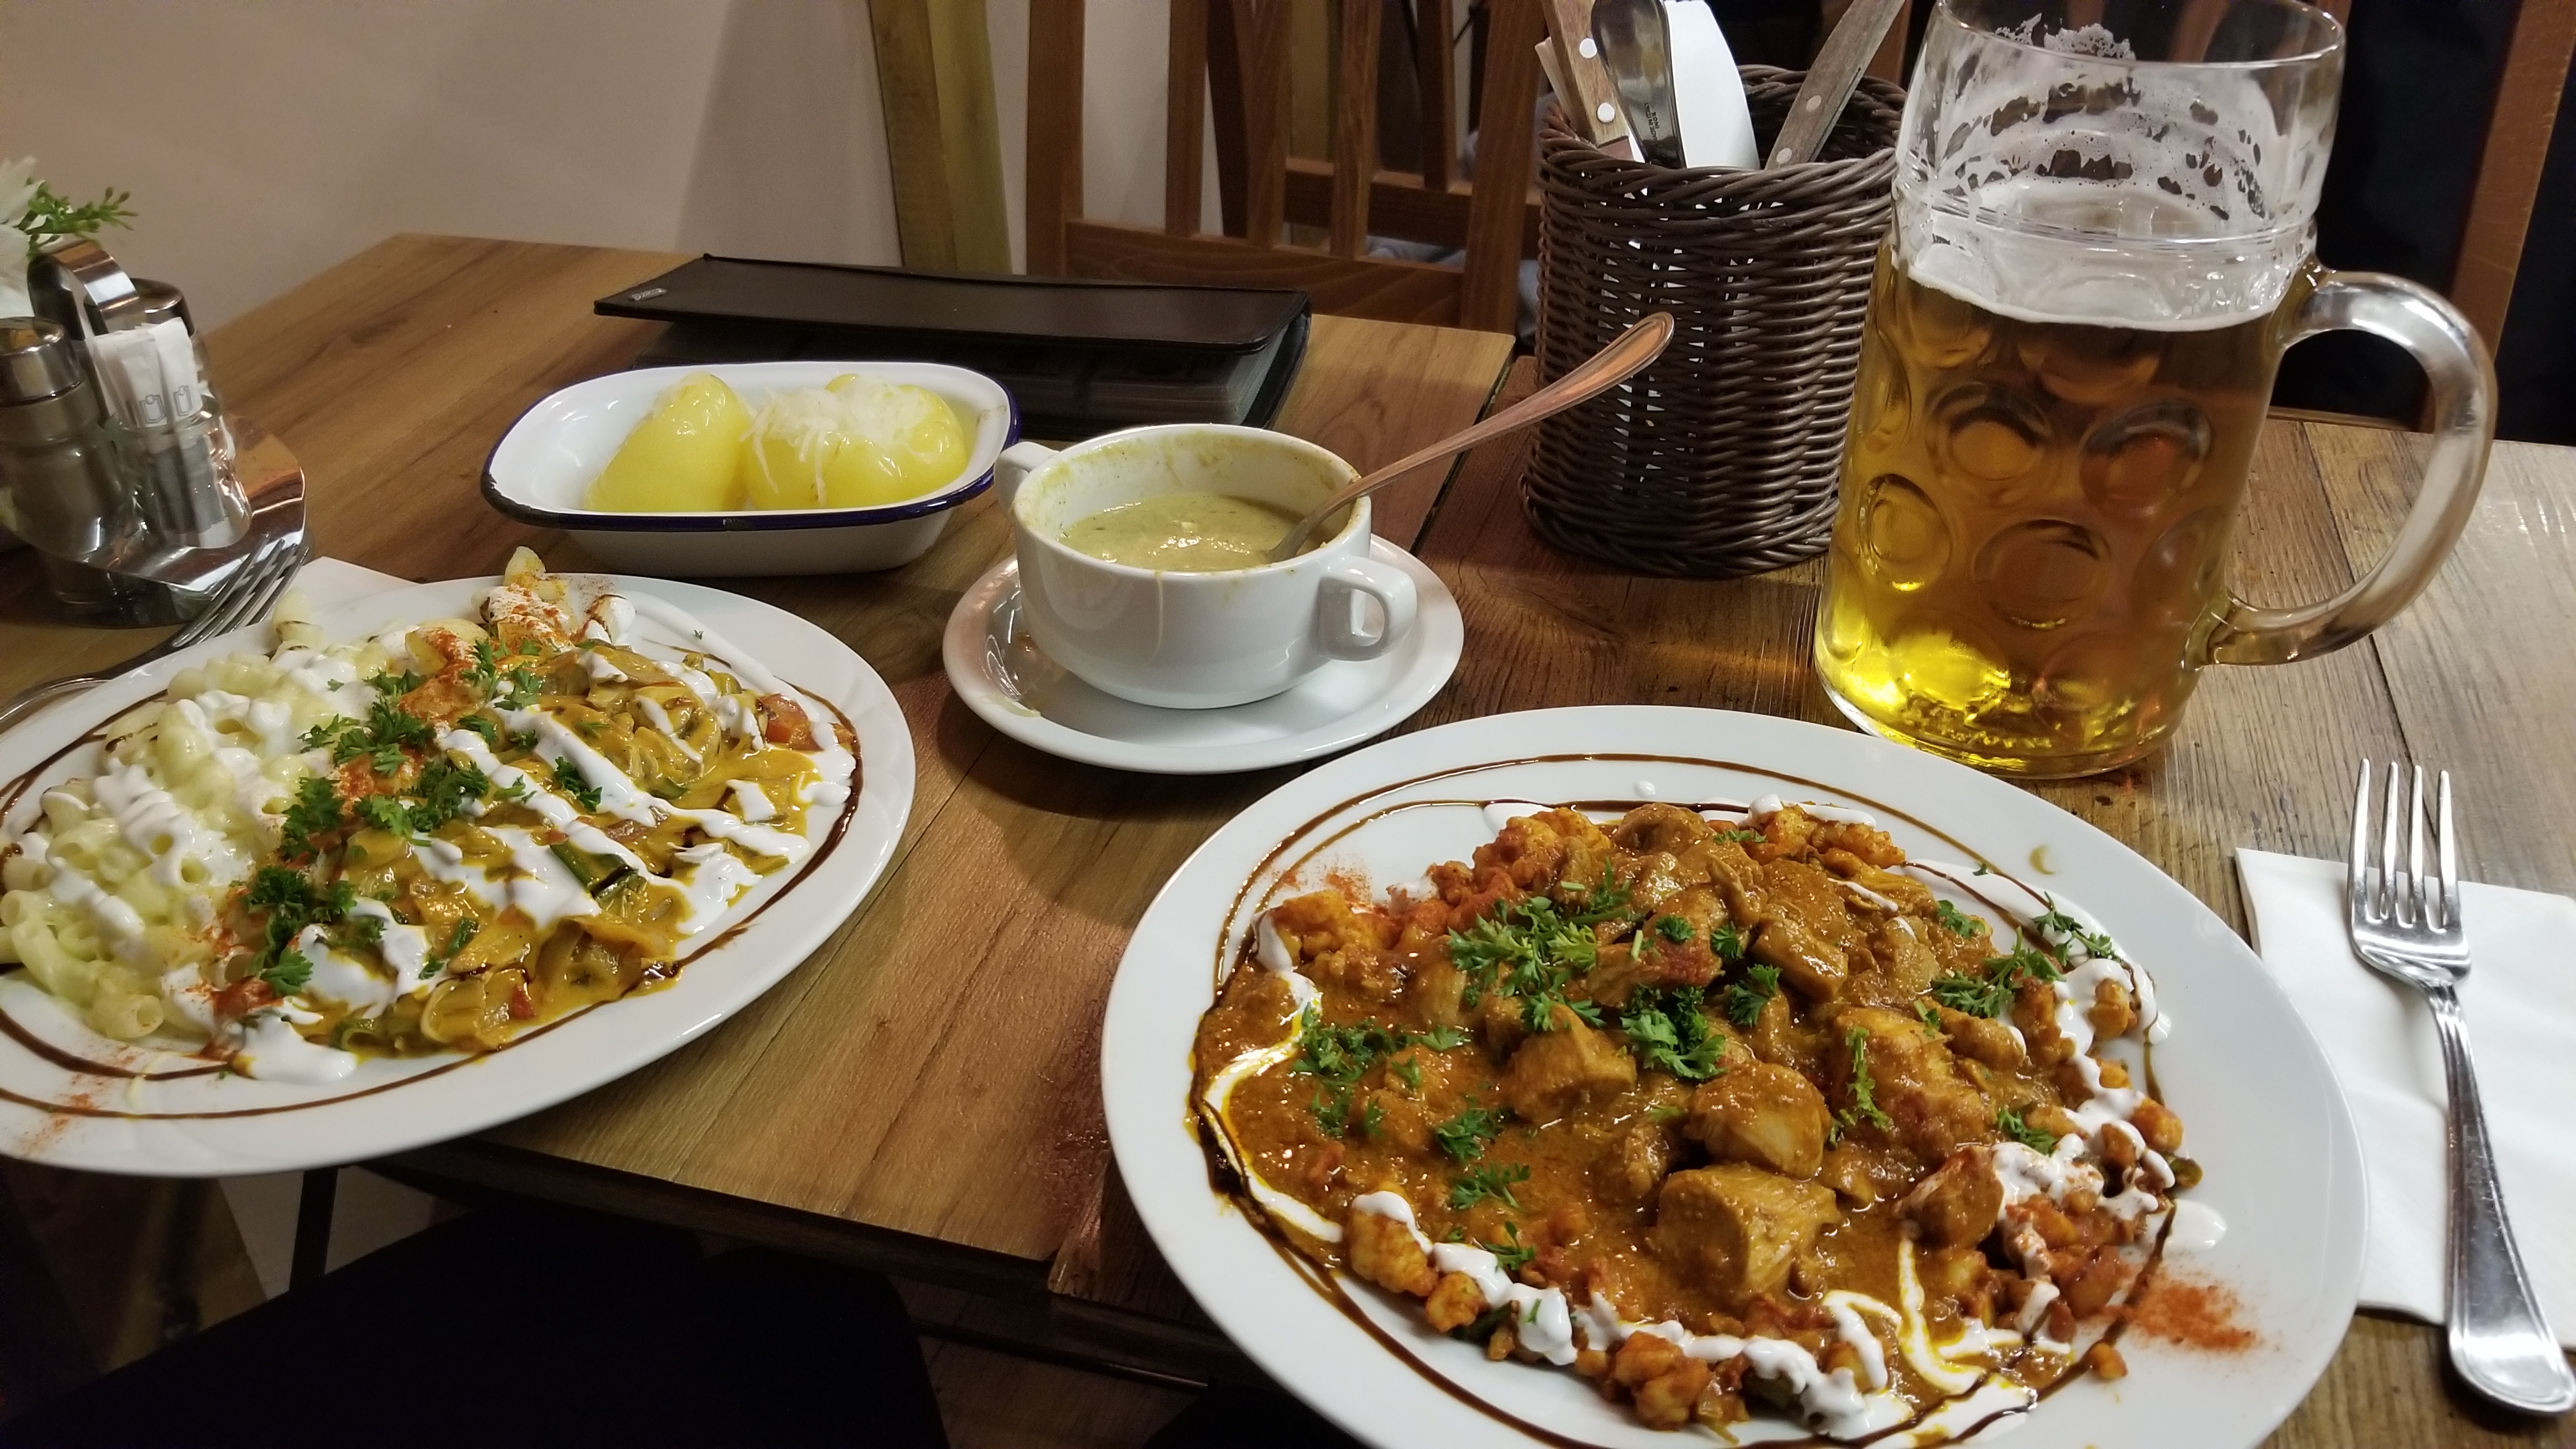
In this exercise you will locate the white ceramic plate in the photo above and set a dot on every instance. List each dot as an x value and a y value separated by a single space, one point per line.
2262 1112
199 1122
543 466
998 670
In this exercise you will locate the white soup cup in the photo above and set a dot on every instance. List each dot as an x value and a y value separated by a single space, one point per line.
1195 640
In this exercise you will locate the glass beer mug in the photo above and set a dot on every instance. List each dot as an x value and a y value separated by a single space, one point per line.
2103 241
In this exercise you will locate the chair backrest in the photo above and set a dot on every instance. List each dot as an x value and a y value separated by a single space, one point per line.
1231 58
2525 112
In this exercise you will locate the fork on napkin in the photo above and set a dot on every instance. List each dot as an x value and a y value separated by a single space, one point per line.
2520 1003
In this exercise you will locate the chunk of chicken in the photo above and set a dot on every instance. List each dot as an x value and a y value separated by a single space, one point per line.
1911 896
1736 1229
1960 1202
1657 826
1553 1072
1768 1116
1981 1039
1931 1105
1386 1253
1813 966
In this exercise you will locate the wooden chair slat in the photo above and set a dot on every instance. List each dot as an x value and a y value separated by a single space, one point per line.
1489 294
1431 31
1055 133
1185 117
1354 128
2509 168
1399 206
1263 31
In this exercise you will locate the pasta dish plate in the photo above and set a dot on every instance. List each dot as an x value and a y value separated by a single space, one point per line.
296 875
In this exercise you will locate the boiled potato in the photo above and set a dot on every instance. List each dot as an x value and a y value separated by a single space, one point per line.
919 442
859 443
681 458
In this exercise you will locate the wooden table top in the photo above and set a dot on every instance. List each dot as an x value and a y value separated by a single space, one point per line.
922 1094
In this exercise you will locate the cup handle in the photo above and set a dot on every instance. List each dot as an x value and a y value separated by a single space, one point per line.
1013 467
2456 364
1343 579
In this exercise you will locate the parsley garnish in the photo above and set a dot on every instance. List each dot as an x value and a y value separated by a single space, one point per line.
388 813
1726 943
2066 927
1531 948
1930 1016
486 671
445 789
1960 924
2009 1123
1409 1071
370 930
290 902
1738 837
1464 1136
1673 929
523 740
465 930
1515 1256
484 725
1666 1030
1372 1119
316 811
320 736
1983 869
1478 1184
1990 993
568 778
1341 1055
1742 1001
1864 1088
395 686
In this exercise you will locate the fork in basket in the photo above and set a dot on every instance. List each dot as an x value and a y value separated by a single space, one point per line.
2408 927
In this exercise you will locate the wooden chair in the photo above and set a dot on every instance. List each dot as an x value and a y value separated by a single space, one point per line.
2525 112
1233 56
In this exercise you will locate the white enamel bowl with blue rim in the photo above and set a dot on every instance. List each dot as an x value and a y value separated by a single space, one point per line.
543 466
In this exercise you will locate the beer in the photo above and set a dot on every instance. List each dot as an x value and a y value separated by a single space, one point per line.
2034 525
2102 241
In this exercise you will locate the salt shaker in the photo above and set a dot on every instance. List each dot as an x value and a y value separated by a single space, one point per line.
61 487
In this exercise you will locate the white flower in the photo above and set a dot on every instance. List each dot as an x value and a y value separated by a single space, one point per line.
17 188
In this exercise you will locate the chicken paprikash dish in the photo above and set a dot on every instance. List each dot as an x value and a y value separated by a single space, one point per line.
1732 1118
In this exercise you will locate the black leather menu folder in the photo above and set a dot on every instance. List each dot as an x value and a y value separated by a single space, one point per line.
1081 357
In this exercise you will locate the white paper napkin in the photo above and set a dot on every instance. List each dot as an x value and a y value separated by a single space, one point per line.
2520 1003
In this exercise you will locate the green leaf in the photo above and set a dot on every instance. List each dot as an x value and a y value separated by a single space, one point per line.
1514 1256
315 812
1666 1031
1674 929
1864 1087
1960 924
1464 1136
569 779
1742 1001
2008 1122
1482 1184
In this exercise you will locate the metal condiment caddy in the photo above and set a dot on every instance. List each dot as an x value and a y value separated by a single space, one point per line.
114 451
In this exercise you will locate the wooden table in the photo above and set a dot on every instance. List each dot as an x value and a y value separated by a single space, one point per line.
922 1094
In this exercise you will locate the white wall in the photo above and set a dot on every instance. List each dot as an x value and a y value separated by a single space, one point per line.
265 140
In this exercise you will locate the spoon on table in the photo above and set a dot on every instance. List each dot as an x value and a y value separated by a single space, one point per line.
1612 365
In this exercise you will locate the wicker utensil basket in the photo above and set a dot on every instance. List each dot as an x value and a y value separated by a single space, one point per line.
1721 457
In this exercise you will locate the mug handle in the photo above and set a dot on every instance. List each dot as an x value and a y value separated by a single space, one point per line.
2456 364
1012 467
1345 578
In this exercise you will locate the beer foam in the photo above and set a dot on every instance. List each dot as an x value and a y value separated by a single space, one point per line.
2060 180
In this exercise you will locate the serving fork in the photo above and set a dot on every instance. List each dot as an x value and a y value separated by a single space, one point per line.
2408 926
265 565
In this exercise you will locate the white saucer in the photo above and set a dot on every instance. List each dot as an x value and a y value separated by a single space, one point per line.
997 670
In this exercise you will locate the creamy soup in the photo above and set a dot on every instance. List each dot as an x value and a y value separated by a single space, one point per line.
1196 533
